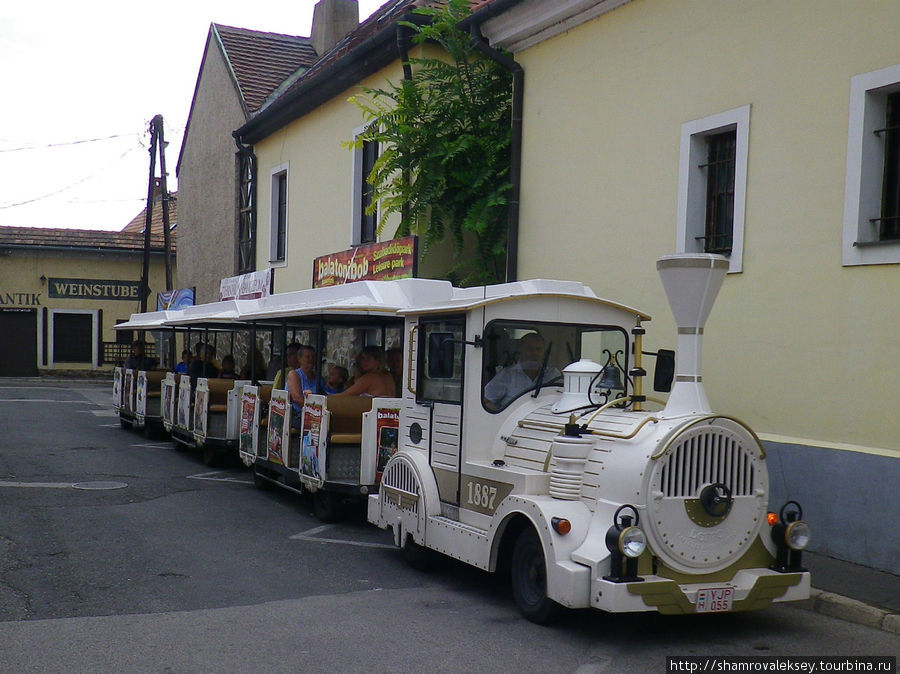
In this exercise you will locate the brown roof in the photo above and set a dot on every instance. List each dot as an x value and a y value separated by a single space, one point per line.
261 61
137 224
52 237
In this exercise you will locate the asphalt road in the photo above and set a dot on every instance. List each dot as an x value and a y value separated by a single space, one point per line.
153 562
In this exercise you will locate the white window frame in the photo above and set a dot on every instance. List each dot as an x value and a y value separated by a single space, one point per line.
865 168
273 213
95 334
356 214
691 220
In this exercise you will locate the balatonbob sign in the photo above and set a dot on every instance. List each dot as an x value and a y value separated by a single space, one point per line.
383 261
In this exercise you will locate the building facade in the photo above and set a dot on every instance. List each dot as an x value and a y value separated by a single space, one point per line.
62 291
763 131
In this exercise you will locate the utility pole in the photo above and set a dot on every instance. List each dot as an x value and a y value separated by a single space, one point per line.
157 141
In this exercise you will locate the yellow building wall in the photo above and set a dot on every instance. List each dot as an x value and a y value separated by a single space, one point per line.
798 346
320 185
21 286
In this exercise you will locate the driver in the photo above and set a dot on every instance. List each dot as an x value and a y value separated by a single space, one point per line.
510 382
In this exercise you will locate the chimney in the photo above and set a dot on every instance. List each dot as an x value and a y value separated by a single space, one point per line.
332 20
692 281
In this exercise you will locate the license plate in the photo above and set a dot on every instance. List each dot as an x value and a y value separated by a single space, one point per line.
714 599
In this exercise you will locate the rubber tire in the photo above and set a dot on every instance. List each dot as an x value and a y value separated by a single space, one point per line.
210 456
328 506
528 573
417 556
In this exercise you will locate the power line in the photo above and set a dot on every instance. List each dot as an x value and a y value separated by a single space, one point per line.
68 187
68 143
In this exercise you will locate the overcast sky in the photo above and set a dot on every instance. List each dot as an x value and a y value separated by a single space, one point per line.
77 71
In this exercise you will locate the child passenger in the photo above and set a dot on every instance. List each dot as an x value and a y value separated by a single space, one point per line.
337 380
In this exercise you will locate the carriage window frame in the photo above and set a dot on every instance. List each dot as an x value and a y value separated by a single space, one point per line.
541 326
423 395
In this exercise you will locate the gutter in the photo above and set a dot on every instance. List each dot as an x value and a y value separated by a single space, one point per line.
515 149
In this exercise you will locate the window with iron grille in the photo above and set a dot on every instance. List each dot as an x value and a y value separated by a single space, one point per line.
871 232
712 185
246 239
279 215
889 222
368 222
719 192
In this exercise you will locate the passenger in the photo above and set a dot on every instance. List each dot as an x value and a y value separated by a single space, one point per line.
395 366
185 363
137 360
510 382
228 368
375 380
204 367
303 381
292 363
258 370
337 380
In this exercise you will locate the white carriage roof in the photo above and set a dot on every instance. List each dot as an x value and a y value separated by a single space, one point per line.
465 299
151 320
375 298
228 311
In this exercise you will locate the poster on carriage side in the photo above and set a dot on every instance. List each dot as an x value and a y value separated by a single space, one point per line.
128 396
168 402
387 424
117 388
183 419
247 438
279 427
312 452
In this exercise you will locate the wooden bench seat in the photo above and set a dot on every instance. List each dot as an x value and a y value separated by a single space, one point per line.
345 425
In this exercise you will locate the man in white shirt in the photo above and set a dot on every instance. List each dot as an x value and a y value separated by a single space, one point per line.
510 382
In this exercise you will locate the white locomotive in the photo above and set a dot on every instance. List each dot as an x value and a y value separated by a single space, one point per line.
526 443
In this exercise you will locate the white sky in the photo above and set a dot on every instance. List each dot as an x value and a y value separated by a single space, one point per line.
80 70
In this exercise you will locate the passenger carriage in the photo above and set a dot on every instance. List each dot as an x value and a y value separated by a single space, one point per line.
587 491
337 449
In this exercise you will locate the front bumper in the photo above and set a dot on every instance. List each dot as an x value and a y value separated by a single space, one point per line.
753 589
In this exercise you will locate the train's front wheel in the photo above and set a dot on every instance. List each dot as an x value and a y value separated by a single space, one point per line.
529 579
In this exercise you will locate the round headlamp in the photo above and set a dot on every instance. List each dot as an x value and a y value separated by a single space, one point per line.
632 542
797 535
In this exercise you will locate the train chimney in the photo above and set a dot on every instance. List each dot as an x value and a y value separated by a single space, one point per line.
692 281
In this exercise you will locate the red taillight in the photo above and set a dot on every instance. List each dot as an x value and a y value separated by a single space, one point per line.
772 519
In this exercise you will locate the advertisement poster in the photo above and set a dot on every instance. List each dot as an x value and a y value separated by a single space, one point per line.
175 299
312 429
201 404
128 397
141 398
117 388
184 404
168 401
279 430
246 436
249 286
384 261
388 425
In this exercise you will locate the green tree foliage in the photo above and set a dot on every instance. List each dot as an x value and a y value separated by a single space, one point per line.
444 138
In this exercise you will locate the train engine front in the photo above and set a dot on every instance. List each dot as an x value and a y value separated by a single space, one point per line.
668 508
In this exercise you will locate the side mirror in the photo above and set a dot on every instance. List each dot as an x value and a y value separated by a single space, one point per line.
665 370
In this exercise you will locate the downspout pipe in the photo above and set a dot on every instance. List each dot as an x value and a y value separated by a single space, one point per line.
515 148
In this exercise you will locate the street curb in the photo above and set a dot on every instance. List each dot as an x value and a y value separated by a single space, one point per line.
851 610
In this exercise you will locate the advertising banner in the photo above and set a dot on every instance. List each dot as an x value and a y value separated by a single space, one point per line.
246 286
175 299
128 396
184 404
311 457
247 438
388 425
384 261
201 408
167 392
117 389
279 427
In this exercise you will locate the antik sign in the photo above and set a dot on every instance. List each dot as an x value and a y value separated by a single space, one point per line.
93 289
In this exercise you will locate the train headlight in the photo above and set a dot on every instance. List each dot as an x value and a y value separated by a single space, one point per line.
632 542
797 535
626 542
790 534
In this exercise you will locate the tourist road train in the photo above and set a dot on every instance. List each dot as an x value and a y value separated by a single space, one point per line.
521 439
